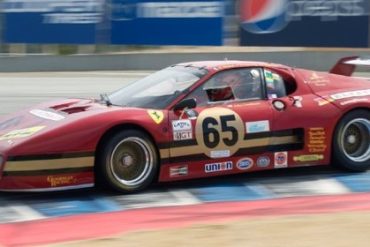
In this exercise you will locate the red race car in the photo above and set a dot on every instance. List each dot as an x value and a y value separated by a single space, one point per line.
191 120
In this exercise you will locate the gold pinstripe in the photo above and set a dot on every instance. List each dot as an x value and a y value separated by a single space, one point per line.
50 164
259 142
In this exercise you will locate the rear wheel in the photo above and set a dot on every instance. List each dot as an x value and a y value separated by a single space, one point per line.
128 161
351 145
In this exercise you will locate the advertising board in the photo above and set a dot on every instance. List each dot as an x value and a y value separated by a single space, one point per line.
320 23
135 22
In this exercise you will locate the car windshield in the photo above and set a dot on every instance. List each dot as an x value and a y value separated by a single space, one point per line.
159 89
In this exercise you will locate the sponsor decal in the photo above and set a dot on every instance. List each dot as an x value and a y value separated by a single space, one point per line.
269 79
179 125
178 171
56 181
183 9
244 164
217 167
220 153
281 160
272 96
318 80
345 95
182 135
298 101
47 115
263 161
258 126
156 115
21 133
323 101
308 157
316 140
353 101
182 130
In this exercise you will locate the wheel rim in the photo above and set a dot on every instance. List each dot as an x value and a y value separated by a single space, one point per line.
355 140
131 161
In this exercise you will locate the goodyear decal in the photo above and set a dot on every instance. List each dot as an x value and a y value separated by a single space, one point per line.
156 115
14 134
220 133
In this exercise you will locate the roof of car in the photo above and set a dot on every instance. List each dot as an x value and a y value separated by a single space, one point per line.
231 64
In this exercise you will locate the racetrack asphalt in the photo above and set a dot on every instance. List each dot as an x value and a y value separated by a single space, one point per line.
21 90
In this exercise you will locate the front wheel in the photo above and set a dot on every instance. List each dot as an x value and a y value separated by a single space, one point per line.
351 145
128 161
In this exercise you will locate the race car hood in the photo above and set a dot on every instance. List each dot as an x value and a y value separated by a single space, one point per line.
69 124
44 115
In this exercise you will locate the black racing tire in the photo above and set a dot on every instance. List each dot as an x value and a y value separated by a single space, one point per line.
351 141
128 161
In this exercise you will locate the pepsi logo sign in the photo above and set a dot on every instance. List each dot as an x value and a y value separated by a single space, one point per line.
263 16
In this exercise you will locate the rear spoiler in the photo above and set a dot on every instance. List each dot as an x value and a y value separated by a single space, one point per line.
347 65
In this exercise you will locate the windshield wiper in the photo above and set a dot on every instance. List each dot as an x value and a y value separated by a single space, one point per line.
104 97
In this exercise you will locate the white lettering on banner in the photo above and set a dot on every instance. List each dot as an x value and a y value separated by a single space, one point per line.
325 8
61 6
71 18
350 94
59 11
180 10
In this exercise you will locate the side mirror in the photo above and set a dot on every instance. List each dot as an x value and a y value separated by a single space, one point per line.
186 103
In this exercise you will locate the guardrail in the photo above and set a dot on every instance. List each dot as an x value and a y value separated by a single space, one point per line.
316 59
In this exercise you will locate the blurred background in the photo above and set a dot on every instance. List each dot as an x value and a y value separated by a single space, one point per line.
100 26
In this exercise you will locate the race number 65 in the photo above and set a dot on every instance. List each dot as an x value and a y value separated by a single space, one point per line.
219 129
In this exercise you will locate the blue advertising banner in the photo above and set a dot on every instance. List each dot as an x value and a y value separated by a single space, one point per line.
319 23
161 22
51 21
137 22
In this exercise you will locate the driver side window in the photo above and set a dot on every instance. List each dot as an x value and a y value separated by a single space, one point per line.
275 85
228 85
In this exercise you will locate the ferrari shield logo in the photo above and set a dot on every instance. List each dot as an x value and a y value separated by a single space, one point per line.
157 116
